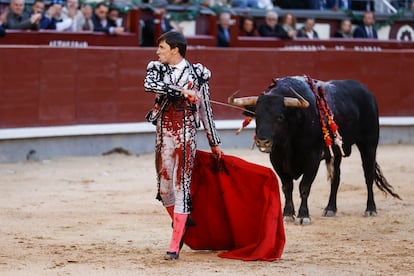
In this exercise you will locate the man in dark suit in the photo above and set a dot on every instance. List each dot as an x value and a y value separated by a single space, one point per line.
307 30
101 22
18 19
271 28
223 30
148 30
2 32
3 18
367 29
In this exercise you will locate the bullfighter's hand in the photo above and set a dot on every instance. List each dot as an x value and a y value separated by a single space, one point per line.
217 153
191 95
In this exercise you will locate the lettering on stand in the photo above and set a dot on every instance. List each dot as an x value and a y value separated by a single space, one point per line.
305 47
69 44
336 47
367 48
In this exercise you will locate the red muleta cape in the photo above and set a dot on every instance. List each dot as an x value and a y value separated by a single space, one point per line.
236 207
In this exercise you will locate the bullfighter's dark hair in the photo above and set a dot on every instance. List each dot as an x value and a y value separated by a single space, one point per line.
175 40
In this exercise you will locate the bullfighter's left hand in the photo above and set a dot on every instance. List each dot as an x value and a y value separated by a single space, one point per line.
217 153
191 95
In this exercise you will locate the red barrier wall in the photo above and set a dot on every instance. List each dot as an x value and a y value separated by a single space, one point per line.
42 86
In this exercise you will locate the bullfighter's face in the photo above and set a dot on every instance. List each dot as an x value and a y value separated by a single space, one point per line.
165 53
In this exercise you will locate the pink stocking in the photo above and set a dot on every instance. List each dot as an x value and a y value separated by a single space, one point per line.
178 232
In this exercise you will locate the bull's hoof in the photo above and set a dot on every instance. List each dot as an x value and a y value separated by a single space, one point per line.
302 221
328 213
288 219
370 213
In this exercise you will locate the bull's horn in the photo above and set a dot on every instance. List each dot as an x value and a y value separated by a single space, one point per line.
296 102
230 99
244 101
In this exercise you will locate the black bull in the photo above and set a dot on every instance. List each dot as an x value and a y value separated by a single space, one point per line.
292 134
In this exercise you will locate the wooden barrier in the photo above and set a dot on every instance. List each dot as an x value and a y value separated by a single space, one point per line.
46 86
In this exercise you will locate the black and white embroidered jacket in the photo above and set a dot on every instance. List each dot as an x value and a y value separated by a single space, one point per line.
162 80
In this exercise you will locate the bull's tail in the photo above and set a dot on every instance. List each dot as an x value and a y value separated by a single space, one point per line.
382 182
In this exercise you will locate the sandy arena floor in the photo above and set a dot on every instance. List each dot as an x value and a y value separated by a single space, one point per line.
98 215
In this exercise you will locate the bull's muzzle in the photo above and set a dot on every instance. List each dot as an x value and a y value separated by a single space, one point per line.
264 145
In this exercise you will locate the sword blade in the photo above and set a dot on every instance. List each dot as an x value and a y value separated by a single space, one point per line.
220 103
232 106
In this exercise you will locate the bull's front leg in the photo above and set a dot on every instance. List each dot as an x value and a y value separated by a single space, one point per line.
289 209
304 190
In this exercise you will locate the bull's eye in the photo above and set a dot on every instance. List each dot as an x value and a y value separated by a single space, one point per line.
280 118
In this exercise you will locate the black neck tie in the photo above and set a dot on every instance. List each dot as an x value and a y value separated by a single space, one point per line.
86 26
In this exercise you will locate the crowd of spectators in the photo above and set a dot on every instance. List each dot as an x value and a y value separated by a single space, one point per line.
361 5
287 28
61 16
102 17
148 25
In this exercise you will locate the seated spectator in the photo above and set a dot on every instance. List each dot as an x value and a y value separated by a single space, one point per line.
46 22
223 30
148 29
84 23
345 29
55 11
113 17
248 27
367 29
270 28
289 24
101 22
245 4
17 18
38 7
3 18
74 19
71 14
307 30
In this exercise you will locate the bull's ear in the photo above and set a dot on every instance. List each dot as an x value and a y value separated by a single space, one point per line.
294 102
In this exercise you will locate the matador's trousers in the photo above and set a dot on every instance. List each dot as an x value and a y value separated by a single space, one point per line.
174 157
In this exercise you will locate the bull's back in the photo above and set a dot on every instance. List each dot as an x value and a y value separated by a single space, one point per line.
355 111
